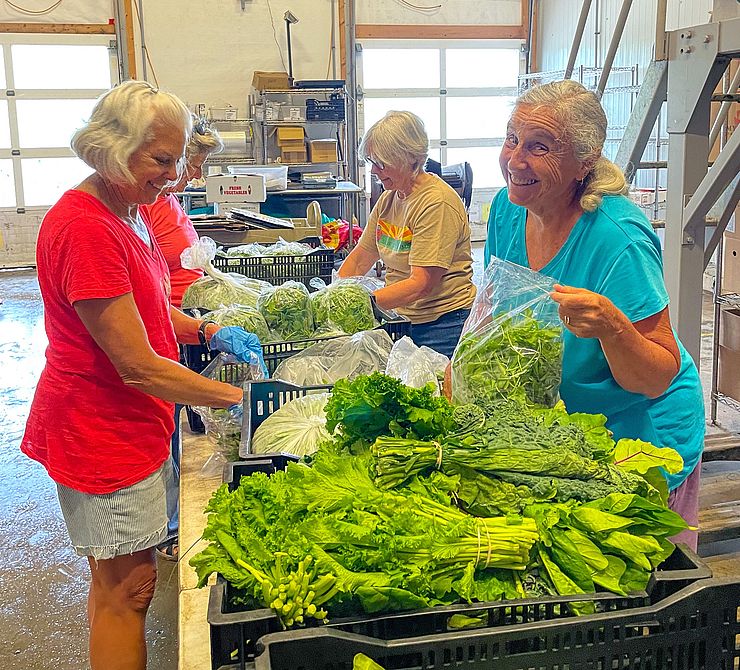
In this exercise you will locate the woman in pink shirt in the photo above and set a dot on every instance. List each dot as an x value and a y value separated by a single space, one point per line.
172 228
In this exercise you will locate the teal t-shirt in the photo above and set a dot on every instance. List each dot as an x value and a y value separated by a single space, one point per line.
612 251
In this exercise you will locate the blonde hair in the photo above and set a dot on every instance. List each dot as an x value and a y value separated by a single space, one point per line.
584 123
398 139
204 140
121 122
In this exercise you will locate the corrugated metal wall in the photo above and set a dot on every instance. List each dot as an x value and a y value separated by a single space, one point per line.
556 26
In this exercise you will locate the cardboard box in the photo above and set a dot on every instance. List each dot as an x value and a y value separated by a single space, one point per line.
323 151
729 353
226 236
270 81
731 265
236 188
294 156
290 134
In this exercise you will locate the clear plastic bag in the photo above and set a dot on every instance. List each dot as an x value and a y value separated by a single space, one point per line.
512 342
216 288
284 248
298 427
342 357
245 316
287 310
416 366
223 426
343 305
244 250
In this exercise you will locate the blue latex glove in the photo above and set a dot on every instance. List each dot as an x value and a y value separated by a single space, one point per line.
239 342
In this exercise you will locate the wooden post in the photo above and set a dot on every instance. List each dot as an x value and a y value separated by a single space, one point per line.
342 41
130 42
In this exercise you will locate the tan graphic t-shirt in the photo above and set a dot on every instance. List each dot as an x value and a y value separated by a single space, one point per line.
429 228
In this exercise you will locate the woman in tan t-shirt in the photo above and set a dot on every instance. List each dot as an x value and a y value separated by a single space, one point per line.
419 229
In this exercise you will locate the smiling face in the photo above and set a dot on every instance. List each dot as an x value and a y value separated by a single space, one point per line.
154 164
539 167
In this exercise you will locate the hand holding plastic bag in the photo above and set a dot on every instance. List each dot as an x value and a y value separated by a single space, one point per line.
242 344
223 426
416 366
511 344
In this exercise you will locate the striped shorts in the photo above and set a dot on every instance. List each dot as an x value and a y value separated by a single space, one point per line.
107 525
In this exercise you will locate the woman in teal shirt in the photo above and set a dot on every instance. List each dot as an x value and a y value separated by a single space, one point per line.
564 214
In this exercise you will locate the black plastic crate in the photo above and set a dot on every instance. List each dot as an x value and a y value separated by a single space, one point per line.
325 110
235 633
261 399
278 269
198 356
696 628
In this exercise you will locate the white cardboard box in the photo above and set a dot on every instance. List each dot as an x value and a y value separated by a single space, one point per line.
235 188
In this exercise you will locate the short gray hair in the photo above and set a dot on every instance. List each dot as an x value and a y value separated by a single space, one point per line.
398 139
121 122
204 140
584 124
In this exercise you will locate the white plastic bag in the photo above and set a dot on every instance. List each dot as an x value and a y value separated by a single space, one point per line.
342 357
512 343
416 366
298 427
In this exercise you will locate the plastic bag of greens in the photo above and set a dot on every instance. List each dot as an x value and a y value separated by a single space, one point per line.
344 305
512 342
370 284
283 248
416 366
244 250
298 427
223 426
287 310
341 357
247 317
216 288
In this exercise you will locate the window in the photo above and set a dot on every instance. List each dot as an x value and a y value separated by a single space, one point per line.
463 91
49 84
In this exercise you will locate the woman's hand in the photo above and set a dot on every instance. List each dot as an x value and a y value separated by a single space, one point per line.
239 342
643 356
589 314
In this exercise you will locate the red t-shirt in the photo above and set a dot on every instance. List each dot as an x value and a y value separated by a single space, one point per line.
86 427
174 232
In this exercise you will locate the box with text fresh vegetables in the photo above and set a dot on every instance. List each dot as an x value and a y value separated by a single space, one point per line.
419 517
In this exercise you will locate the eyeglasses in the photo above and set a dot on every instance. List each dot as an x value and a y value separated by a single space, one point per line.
376 163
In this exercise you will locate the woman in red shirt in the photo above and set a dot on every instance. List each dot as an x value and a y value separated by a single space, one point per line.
102 415
172 228
174 232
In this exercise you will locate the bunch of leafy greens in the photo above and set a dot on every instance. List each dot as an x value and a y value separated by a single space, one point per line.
213 292
415 502
287 310
327 536
374 405
343 305
519 358
247 317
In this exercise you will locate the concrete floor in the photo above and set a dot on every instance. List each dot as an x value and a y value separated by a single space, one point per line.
44 585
